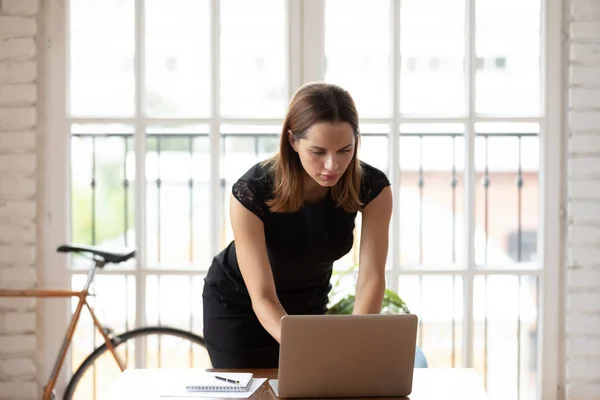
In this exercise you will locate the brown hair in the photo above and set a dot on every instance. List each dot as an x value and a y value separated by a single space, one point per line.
313 103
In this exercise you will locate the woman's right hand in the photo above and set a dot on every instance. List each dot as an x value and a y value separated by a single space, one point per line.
251 252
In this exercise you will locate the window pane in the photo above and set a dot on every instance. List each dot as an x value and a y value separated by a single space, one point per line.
373 147
432 54
506 195
101 69
102 188
253 58
438 302
357 52
507 47
431 195
114 305
177 58
177 196
505 341
239 152
175 301
343 283
372 150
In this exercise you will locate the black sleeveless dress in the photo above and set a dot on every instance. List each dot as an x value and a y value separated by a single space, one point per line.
301 247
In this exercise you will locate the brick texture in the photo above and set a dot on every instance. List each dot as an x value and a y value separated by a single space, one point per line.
582 370
18 196
20 7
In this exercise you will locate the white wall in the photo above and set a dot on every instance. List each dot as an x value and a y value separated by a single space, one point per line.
18 195
583 246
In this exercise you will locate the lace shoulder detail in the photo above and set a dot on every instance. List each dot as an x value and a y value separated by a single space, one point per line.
373 182
248 197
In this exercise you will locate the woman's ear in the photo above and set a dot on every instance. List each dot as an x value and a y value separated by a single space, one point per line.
292 140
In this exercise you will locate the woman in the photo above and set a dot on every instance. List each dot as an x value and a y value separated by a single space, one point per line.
292 217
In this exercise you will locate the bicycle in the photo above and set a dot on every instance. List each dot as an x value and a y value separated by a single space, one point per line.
111 341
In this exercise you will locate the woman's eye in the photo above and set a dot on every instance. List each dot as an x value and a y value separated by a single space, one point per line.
318 153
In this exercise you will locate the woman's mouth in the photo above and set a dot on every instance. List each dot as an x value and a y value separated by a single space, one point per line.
329 177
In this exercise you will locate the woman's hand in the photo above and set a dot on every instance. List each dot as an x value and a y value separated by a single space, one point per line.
251 251
373 253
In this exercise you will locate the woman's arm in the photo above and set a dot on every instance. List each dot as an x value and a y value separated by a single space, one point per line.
251 251
373 253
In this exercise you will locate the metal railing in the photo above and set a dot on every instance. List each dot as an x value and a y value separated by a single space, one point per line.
181 155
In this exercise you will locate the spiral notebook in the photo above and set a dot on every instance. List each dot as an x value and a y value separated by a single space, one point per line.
220 382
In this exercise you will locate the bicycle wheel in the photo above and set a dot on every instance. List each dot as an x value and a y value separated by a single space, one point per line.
174 342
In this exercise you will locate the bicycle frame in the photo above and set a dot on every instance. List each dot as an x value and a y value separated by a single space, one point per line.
82 295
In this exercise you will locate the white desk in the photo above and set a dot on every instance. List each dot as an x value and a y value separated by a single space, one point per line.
428 384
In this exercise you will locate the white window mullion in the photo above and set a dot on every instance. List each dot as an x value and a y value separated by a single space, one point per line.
140 174
394 147
294 46
294 82
56 197
214 135
313 41
552 200
469 186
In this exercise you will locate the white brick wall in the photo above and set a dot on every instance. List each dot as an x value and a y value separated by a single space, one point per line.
18 196
583 246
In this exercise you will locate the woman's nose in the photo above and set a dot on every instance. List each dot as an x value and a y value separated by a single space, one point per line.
331 163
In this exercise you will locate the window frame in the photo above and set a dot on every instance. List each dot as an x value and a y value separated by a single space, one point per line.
306 62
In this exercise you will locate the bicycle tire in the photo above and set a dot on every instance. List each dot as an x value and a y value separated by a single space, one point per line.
117 341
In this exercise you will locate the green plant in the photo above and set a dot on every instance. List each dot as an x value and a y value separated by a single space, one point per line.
392 302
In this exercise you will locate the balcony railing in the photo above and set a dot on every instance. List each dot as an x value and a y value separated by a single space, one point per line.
432 273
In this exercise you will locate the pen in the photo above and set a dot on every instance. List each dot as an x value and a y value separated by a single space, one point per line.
226 379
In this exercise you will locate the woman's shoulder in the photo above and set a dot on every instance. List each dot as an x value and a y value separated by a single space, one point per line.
371 173
258 176
253 187
373 181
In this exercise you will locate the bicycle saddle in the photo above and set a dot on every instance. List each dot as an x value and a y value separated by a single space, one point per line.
108 257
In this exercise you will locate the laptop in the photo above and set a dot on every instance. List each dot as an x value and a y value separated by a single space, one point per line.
346 356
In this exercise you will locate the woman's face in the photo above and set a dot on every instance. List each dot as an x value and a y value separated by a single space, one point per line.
326 151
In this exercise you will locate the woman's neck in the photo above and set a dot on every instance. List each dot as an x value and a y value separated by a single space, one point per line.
313 191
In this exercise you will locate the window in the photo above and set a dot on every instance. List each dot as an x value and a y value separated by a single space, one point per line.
164 120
